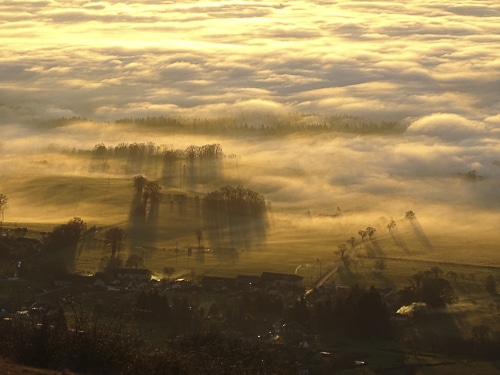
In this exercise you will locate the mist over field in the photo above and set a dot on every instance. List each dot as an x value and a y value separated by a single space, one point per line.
305 176
411 89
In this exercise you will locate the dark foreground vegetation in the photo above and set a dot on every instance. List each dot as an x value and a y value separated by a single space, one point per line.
219 326
44 338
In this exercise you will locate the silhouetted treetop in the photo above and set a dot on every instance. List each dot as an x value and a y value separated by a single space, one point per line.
430 287
150 149
236 200
271 125
66 235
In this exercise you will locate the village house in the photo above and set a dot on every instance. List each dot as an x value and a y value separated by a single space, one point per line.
245 281
129 275
72 279
217 283
279 280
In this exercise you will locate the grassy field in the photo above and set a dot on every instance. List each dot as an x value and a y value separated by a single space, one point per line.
292 241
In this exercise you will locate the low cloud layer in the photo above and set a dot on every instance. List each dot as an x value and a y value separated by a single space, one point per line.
106 60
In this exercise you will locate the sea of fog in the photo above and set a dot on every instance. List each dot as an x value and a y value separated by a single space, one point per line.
431 67
391 60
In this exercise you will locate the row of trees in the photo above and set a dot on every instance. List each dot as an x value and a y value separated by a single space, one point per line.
68 236
234 207
149 149
271 124
369 232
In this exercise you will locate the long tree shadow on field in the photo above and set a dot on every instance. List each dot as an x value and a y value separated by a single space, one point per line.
419 232
203 165
144 212
235 217
373 248
194 166
399 241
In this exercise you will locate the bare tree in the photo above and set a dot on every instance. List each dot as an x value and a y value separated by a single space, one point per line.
370 231
351 241
134 260
3 205
199 237
344 257
168 271
391 225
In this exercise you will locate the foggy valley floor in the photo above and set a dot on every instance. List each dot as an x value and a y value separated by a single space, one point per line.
319 195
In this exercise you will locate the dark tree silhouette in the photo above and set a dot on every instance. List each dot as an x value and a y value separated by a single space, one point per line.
199 237
152 198
152 191
410 215
168 271
344 257
432 289
114 238
370 231
370 316
100 149
66 235
237 200
351 241
3 204
391 225
472 175
138 208
134 260
139 183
